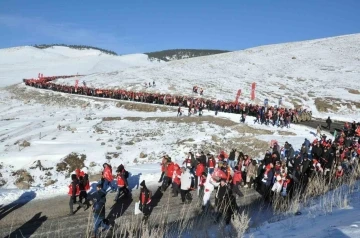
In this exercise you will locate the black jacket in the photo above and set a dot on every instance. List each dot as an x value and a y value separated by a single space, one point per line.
232 155
306 166
82 182
202 159
222 193
147 195
316 151
99 203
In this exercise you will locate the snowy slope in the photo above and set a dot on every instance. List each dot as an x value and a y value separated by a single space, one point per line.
303 73
85 131
329 216
26 62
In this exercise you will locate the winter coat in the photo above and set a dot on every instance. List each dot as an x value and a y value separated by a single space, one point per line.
306 166
202 159
193 161
99 199
145 196
236 177
251 171
268 179
84 183
121 182
291 152
176 176
222 192
316 151
211 163
74 189
185 180
232 155
200 168
169 170
107 173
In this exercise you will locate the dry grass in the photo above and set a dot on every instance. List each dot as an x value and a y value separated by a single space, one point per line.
328 194
143 107
333 104
353 91
71 162
326 104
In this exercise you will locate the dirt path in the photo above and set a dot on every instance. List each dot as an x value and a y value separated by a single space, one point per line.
48 218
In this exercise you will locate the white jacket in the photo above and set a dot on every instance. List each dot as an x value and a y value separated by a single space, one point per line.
185 180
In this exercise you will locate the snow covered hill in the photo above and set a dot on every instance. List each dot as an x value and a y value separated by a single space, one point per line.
26 62
178 54
323 75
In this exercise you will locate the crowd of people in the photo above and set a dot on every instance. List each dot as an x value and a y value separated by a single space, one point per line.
282 169
276 115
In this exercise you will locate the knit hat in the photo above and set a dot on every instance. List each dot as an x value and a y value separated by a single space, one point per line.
142 184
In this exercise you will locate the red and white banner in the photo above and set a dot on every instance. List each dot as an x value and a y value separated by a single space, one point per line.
76 84
237 96
253 86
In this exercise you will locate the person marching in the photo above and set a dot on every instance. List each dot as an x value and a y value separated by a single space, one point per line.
107 177
176 180
84 185
169 170
185 185
163 164
144 200
122 186
211 164
226 204
99 200
74 192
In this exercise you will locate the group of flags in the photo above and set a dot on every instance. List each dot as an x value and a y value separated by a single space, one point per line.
252 95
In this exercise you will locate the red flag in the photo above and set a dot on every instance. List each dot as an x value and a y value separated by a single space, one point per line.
237 96
253 86
76 84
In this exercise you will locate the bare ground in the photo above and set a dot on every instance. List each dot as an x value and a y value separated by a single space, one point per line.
333 104
52 219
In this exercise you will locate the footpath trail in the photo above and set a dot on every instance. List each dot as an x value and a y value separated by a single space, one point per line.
336 125
48 218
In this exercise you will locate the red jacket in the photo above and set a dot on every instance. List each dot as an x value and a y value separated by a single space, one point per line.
70 192
211 163
339 173
120 181
170 170
200 168
237 177
176 176
80 173
107 174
